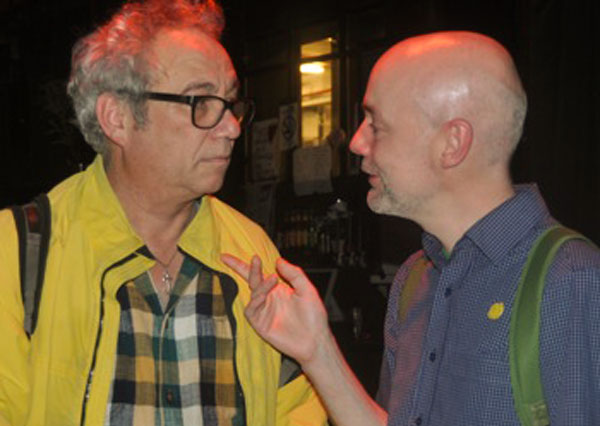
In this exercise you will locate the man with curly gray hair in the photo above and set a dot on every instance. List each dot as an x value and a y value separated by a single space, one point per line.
113 58
139 321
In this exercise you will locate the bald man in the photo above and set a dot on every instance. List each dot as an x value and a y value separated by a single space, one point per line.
443 115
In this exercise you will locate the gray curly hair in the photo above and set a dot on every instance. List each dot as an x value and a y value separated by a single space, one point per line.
111 59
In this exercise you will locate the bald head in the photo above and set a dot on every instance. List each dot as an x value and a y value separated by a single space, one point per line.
465 75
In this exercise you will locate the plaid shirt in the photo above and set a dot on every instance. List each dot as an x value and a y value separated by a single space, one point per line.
177 366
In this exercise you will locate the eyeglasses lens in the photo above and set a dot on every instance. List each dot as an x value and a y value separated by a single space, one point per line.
208 112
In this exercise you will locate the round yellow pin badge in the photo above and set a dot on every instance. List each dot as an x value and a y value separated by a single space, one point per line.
496 311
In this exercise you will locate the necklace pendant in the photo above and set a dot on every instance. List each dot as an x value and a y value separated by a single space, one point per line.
167 280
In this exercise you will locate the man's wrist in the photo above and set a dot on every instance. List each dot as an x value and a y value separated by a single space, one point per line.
324 353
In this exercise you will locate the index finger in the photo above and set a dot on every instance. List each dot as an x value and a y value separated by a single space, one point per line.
237 265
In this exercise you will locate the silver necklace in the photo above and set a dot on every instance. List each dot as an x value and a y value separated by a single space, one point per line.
167 279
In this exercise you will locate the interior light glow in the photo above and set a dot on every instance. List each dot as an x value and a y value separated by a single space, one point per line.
312 68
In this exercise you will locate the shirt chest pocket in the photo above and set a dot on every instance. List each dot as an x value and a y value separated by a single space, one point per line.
474 389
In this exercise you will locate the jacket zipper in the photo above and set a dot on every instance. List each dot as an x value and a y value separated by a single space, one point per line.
99 334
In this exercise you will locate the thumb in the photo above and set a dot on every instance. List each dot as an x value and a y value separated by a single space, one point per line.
294 275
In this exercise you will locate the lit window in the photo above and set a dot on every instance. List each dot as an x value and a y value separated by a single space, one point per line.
316 77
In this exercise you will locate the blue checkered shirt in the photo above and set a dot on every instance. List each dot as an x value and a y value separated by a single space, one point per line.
447 363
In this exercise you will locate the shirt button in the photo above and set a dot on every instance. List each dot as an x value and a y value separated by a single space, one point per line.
418 421
170 397
432 356
448 292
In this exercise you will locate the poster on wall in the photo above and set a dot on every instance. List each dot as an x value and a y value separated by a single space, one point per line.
288 126
264 149
312 170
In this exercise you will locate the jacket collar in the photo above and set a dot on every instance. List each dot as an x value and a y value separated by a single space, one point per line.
202 238
101 217
98 214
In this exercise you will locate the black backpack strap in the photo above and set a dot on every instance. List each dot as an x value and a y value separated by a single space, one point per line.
33 229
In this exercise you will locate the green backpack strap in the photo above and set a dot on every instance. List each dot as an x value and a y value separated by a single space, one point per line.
412 282
524 334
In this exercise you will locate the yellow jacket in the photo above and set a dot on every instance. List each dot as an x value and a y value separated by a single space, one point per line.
72 352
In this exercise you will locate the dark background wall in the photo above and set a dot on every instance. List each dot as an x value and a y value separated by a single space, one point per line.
555 44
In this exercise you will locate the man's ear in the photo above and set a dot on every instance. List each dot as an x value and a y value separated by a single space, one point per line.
112 116
458 134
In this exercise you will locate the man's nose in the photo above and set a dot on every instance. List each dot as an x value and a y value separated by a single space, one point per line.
229 125
359 142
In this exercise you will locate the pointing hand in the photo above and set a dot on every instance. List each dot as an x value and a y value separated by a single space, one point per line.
289 315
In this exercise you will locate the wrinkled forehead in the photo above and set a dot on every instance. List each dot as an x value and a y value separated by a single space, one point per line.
178 53
189 38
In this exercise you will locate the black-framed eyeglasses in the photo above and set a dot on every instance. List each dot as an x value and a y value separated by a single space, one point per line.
208 110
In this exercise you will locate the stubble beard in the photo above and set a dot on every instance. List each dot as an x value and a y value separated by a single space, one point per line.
384 201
